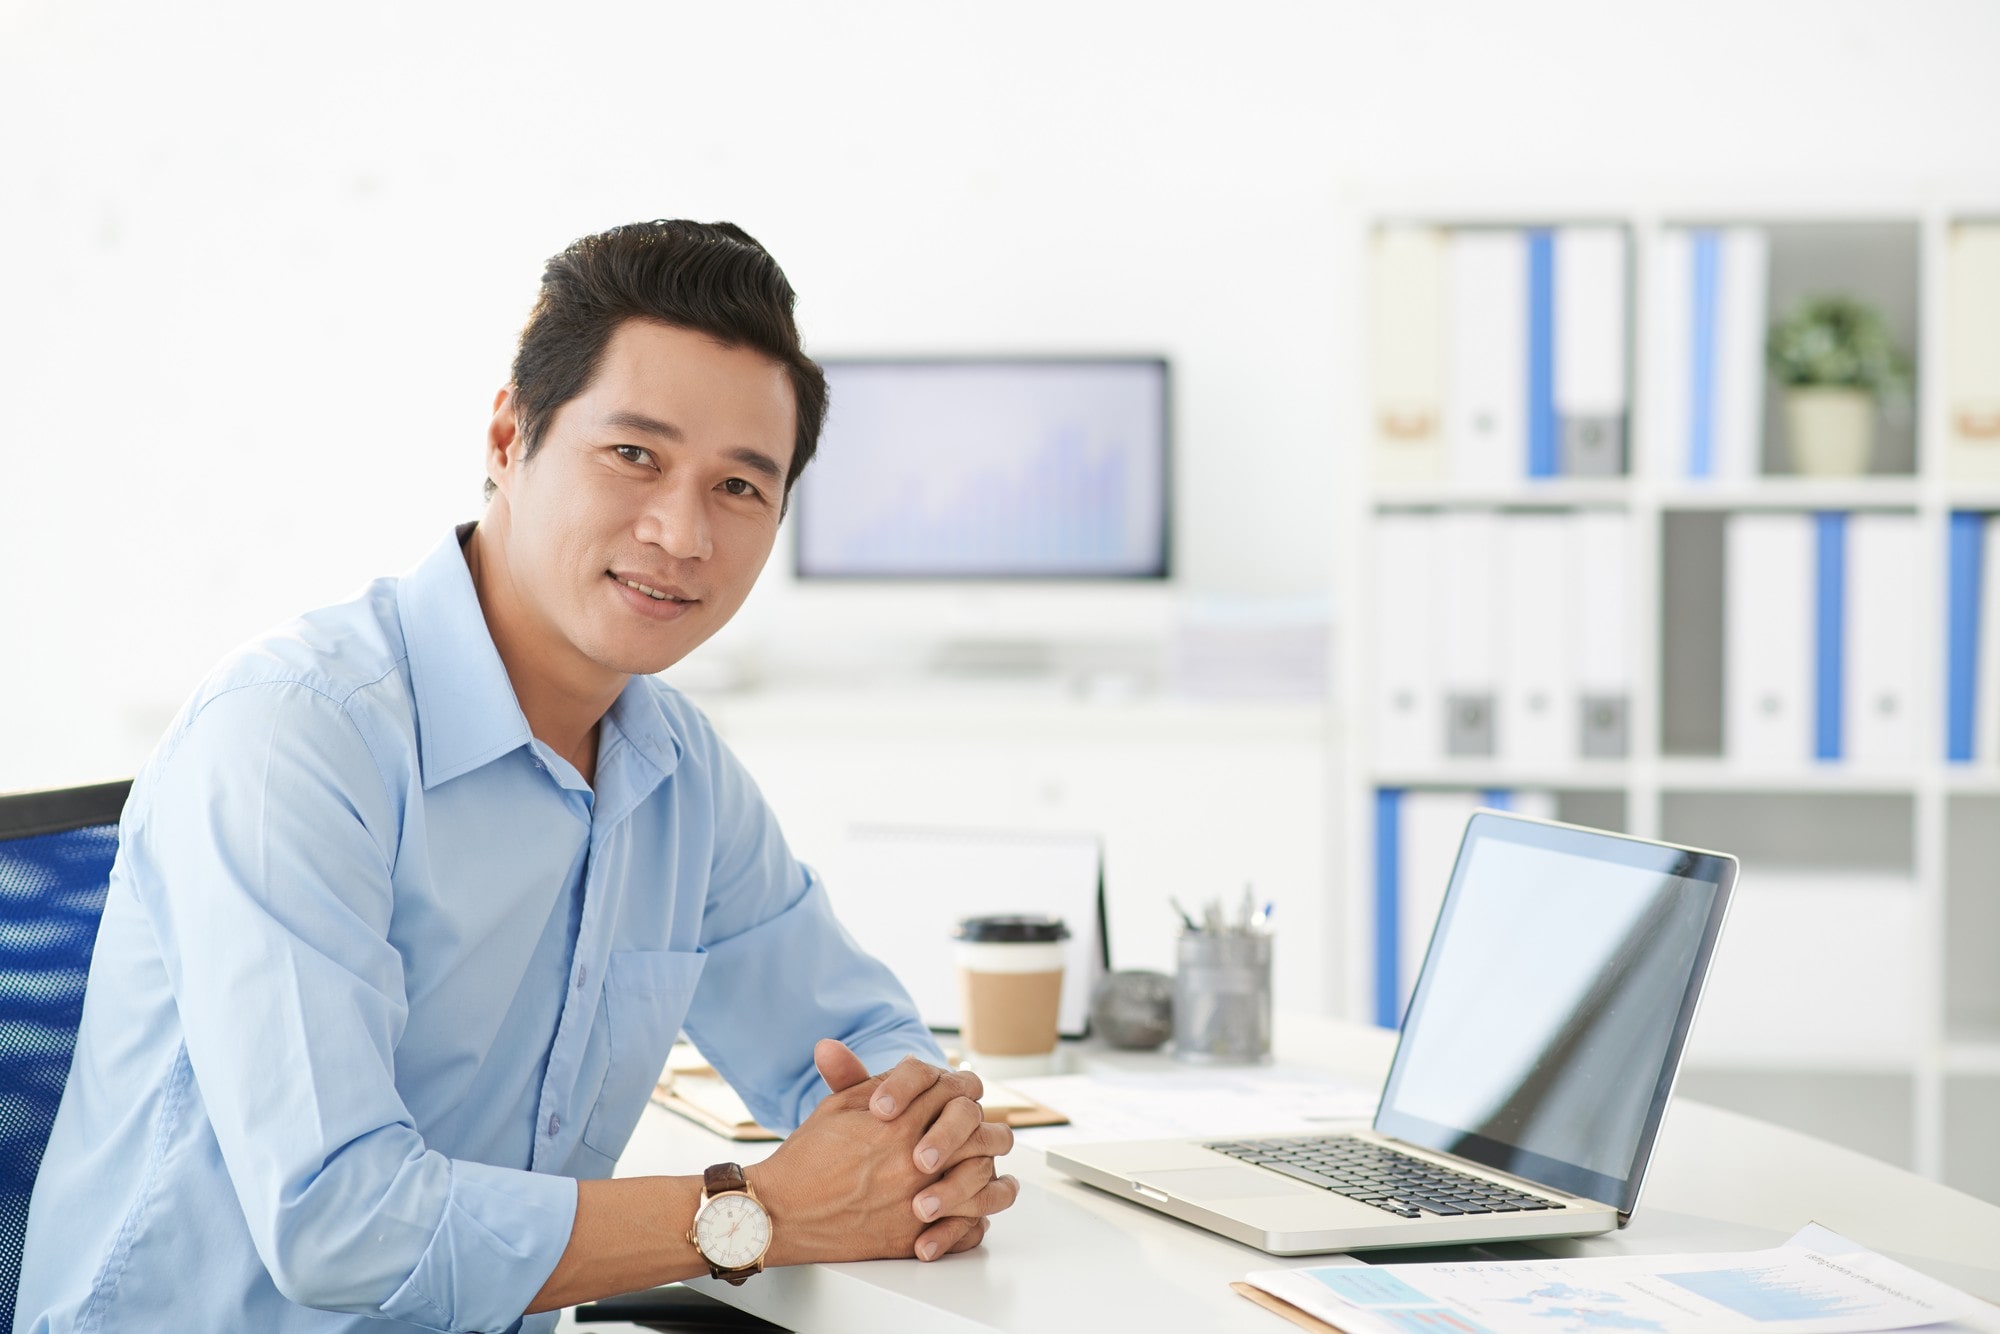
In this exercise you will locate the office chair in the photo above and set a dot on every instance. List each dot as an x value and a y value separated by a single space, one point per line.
56 850
55 866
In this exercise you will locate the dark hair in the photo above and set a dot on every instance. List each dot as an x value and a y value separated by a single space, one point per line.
712 277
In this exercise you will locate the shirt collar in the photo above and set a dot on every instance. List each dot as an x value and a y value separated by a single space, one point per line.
467 714
637 715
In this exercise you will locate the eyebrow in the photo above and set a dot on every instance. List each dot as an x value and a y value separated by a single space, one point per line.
754 459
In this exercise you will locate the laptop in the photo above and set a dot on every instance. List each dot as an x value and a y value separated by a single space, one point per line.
1534 1066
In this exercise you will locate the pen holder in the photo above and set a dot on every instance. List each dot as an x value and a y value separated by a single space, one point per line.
1222 997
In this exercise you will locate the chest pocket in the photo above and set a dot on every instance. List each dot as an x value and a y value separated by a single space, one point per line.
646 996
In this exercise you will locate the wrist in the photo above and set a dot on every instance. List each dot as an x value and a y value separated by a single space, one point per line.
768 1187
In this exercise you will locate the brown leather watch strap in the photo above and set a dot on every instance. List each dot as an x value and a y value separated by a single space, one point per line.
722 1177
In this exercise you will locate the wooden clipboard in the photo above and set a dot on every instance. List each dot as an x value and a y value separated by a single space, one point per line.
1279 1306
704 1099
698 1093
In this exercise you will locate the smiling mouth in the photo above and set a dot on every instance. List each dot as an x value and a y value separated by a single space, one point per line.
656 594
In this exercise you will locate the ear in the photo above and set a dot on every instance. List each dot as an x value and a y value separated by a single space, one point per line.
504 441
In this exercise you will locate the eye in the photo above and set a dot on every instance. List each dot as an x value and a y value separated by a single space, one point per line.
736 486
634 454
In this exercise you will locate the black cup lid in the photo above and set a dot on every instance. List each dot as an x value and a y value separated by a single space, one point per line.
1011 930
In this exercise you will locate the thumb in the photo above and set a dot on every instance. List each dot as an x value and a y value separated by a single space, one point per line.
839 1067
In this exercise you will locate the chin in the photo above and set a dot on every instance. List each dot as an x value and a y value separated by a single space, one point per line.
646 659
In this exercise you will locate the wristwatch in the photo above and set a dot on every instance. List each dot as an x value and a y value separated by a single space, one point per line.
732 1228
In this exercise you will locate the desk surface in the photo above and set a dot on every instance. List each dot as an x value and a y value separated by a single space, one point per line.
1719 1181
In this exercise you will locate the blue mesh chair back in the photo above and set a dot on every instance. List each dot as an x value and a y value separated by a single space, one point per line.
56 850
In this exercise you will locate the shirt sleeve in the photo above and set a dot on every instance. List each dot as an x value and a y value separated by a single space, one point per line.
270 835
782 973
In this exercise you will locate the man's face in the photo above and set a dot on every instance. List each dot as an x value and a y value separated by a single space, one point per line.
667 473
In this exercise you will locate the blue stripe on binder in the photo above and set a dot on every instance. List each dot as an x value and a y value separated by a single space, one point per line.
1961 663
1706 249
1830 635
1498 799
1388 909
1541 353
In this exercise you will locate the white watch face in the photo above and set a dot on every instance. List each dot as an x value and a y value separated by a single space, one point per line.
732 1231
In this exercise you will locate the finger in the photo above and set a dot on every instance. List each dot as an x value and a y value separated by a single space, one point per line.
912 1079
967 1191
989 1139
839 1067
941 1145
993 1139
950 1235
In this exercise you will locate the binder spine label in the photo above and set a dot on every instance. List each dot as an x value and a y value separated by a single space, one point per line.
1469 730
1705 255
1830 634
1967 557
1542 442
1388 906
1593 446
1604 727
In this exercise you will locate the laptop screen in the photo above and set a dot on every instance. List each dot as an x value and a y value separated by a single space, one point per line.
1547 1024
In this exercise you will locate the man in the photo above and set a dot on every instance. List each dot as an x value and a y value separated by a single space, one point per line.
417 891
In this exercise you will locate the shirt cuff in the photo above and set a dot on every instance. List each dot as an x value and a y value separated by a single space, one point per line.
499 1239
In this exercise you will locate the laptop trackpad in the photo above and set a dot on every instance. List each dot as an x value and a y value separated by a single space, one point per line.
1195 1184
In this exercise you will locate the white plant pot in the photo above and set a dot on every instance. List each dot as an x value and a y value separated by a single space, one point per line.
1831 431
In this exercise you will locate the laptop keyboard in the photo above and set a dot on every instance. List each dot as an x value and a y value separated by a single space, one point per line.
1376 1174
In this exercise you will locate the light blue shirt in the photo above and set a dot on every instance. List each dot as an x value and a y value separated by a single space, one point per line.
380 976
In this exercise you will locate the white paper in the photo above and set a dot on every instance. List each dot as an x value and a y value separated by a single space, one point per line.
1196 1101
1817 1283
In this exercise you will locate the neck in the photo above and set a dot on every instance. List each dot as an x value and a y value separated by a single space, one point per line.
562 694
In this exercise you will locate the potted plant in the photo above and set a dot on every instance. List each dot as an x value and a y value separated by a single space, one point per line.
1836 358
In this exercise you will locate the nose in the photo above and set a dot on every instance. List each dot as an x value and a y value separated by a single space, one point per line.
676 521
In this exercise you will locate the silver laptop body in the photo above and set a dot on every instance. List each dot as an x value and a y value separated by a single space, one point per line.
1535 1061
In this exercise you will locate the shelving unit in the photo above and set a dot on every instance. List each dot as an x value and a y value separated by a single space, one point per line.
1930 826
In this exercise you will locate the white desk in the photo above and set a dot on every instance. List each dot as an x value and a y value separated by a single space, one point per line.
1067 1257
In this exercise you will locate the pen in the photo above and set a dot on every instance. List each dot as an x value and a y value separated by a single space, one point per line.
1264 916
1186 920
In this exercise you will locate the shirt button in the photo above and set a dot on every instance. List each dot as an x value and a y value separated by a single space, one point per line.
555 1124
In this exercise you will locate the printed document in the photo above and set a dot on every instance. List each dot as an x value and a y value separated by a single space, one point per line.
1816 1283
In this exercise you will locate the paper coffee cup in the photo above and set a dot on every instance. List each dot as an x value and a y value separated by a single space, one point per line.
1010 973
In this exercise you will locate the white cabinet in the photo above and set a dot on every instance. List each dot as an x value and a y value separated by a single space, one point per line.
1193 801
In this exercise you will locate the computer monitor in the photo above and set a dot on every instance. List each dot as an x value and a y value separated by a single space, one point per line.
1000 469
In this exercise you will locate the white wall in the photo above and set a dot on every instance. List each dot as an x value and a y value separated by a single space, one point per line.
265 262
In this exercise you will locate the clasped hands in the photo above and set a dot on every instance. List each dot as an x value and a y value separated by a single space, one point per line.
887 1166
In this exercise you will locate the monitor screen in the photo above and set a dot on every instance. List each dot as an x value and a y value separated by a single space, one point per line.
1548 1022
988 469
